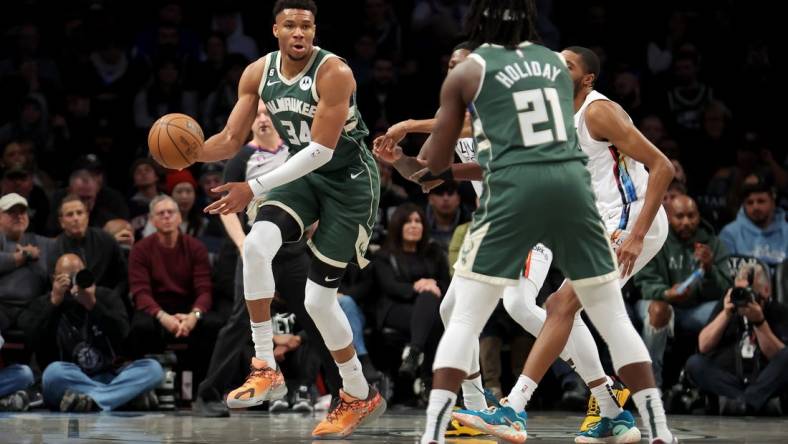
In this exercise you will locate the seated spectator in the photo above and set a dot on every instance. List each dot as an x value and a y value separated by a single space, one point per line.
760 229
101 206
183 189
145 176
107 197
14 380
98 249
18 178
412 274
24 261
444 213
743 358
81 325
172 302
683 282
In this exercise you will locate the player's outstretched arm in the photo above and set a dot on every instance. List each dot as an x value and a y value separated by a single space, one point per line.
607 121
457 91
236 132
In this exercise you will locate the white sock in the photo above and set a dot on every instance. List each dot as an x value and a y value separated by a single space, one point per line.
649 403
473 394
263 338
521 393
353 381
438 415
608 404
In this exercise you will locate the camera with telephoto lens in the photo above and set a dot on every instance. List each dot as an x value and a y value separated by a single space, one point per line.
741 296
82 279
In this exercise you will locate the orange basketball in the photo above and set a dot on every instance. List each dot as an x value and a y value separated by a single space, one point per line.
175 141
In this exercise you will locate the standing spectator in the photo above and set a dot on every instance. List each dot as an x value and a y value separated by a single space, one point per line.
79 325
99 251
743 358
413 274
14 379
667 306
172 302
760 229
24 261
18 178
444 213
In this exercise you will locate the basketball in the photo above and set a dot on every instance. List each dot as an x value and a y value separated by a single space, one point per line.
175 141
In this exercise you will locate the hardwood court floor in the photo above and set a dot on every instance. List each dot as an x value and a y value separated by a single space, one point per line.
402 426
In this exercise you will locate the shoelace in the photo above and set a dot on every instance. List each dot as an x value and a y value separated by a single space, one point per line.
338 406
593 407
264 372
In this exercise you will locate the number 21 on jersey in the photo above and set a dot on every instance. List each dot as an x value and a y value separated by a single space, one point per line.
532 111
303 137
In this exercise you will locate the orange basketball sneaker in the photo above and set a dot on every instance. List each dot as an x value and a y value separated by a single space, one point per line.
262 384
347 413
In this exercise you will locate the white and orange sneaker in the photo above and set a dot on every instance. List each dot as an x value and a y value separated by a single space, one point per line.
262 384
348 413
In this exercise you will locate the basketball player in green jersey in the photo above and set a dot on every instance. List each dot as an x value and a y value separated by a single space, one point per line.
536 188
330 176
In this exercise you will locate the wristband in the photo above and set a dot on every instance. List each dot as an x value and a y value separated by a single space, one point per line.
445 176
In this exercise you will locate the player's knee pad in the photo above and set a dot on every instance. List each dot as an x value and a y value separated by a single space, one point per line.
520 302
323 307
472 307
260 246
604 305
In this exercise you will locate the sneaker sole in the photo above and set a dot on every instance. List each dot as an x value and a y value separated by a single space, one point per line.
373 415
630 436
271 395
503 432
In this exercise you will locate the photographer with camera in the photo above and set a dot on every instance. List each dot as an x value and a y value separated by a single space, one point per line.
78 326
743 358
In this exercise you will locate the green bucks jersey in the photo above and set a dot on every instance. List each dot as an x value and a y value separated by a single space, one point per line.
523 111
292 103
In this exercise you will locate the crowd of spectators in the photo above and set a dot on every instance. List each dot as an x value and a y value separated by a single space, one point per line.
107 260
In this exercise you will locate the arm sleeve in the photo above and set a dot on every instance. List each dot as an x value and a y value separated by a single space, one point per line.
140 282
653 279
388 281
202 276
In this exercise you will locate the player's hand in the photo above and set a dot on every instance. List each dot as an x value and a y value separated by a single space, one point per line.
628 253
393 136
704 255
386 155
238 196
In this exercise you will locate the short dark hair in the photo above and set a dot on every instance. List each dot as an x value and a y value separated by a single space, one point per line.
591 64
466 45
67 199
761 186
281 5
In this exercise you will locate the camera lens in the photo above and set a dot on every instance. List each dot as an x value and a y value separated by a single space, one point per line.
84 278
